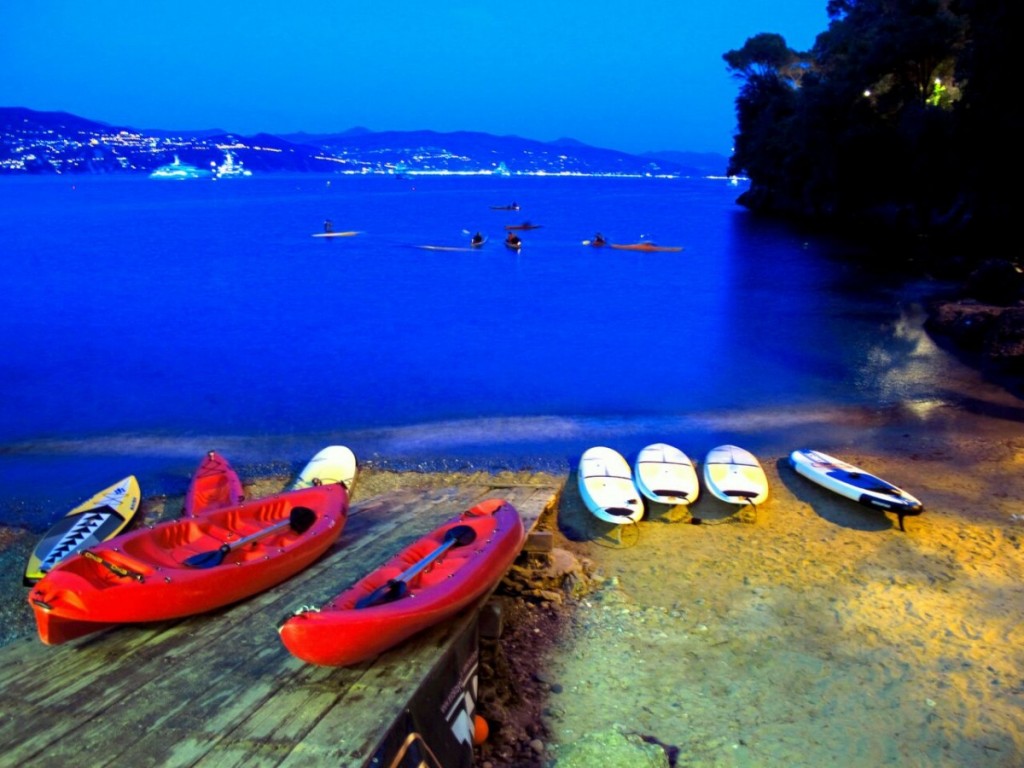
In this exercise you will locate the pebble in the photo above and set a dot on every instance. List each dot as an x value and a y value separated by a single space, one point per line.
537 746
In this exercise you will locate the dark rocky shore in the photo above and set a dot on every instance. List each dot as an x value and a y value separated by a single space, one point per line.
983 321
979 315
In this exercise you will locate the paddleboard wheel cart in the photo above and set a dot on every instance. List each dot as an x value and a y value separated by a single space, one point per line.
854 483
665 475
609 493
735 476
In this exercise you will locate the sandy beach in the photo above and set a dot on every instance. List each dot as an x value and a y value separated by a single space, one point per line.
817 634
820 634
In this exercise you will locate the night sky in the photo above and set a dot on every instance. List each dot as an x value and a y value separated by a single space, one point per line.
637 76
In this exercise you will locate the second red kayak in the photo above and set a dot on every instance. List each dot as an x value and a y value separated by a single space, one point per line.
647 247
429 581
214 485
188 565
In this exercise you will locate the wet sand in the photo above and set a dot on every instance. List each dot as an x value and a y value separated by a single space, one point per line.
818 634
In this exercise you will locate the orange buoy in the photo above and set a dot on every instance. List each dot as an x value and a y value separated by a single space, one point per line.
480 730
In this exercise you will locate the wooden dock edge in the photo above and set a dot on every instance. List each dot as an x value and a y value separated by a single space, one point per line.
219 689
437 726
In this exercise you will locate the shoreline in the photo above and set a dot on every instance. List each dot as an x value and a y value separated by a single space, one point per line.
820 632
17 542
45 478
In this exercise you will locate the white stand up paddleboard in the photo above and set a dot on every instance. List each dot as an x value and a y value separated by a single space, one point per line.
734 475
854 483
334 464
666 475
606 485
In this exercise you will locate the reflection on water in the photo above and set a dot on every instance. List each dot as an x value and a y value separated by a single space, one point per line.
165 320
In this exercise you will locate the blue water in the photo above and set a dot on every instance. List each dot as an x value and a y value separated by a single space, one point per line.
147 322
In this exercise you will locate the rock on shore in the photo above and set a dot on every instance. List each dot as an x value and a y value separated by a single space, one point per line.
987 324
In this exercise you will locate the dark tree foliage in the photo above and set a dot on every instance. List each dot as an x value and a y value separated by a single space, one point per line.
770 72
888 124
989 121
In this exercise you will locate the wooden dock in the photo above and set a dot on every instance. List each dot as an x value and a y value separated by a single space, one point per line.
221 690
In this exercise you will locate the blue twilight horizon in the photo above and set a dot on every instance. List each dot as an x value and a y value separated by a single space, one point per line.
637 77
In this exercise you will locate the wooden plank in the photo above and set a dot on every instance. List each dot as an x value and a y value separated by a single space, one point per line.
384 681
349 733
219 689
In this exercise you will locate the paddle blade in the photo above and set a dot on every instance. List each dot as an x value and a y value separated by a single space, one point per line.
302 519
210 559
393 590
460 535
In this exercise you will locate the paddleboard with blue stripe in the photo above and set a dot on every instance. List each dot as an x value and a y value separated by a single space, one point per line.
854 483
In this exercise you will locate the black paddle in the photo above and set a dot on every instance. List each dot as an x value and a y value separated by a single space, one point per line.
456 536
300 520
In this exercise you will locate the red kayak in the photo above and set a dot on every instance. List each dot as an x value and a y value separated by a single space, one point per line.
189 565
214 485
647 247
524 225
429 581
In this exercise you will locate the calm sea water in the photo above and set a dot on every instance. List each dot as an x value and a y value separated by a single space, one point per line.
147 322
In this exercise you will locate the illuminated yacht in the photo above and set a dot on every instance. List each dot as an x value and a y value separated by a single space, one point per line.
177 170
230 168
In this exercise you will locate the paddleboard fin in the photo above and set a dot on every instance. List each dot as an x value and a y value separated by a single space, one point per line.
619 511
674 493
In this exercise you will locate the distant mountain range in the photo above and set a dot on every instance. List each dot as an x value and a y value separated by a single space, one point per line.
33 142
